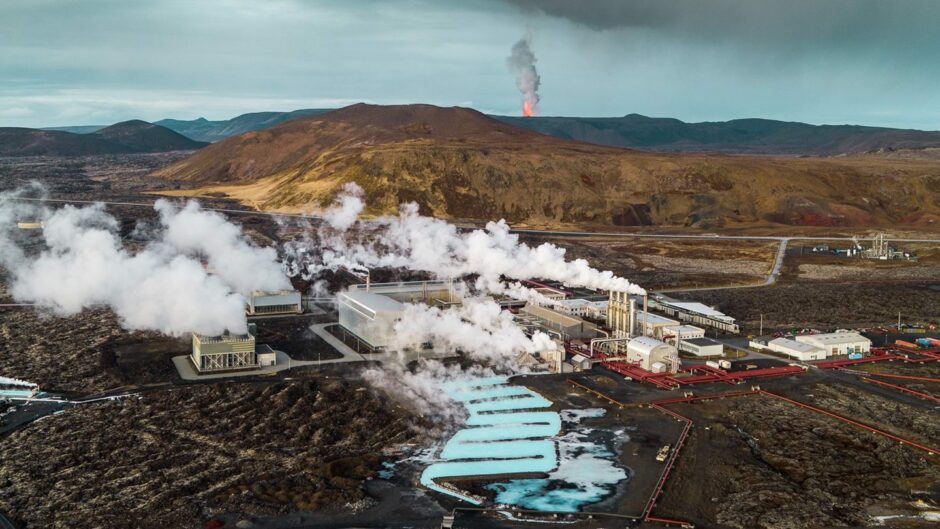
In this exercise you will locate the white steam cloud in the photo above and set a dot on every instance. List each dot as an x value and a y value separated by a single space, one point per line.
426 244
163 286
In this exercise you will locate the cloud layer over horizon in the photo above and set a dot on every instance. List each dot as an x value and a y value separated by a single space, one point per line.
71 62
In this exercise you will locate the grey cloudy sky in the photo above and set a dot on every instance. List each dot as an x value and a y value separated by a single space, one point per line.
67 62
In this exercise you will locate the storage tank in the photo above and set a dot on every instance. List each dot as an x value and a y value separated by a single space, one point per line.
713 364
724 364
855 356
658 367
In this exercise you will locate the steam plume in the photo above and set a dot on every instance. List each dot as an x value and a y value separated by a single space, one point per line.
521 62
420 243
162 287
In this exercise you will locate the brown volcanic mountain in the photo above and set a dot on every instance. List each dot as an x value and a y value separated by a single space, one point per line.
121 138
458 163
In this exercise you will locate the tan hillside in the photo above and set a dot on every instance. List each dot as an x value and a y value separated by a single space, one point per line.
458 163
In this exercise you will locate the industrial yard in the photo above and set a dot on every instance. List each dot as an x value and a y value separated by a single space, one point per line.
321 437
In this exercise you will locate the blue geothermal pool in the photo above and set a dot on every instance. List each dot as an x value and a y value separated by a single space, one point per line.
507 434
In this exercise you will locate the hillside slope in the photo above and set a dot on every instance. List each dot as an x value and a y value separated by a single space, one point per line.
205 130
458 163
18 141
121 138
740 136
141 136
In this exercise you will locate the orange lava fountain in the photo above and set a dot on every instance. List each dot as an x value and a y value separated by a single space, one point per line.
528 109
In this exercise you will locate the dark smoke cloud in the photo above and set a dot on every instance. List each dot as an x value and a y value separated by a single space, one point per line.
781 25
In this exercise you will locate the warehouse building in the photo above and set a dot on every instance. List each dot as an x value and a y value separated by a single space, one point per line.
567 327
368 311
702 347
682 332
645 351
582 308
798 350
368 317
229 352
838 343
697 313
267 303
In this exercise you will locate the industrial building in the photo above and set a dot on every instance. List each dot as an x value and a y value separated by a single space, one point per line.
798 350
564 327
230 352
838 343
682 332
701 347
654 325
583 308
646 352
368 312
368 317
268 303
697 313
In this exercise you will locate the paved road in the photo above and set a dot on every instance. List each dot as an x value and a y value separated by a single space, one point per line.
545 233
713 236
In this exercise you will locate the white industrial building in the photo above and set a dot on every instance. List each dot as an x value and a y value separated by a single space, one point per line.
654 325
368 317
799 350
645 351
567 327
697 313
838 343
682 332
282 302
702 347
583 308
368 312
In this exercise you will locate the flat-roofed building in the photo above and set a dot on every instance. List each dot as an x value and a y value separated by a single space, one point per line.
697 313
654 325
582 308
799 350
435 293
368 316
838 343
702 347
282 302
569 327
682 332
225 352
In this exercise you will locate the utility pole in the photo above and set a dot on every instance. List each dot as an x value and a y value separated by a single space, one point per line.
761 333
899 321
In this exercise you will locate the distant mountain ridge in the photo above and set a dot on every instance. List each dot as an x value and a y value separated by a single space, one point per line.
203 129
127 137
739 136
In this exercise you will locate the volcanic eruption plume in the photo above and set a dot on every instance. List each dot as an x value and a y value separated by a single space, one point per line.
522 63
